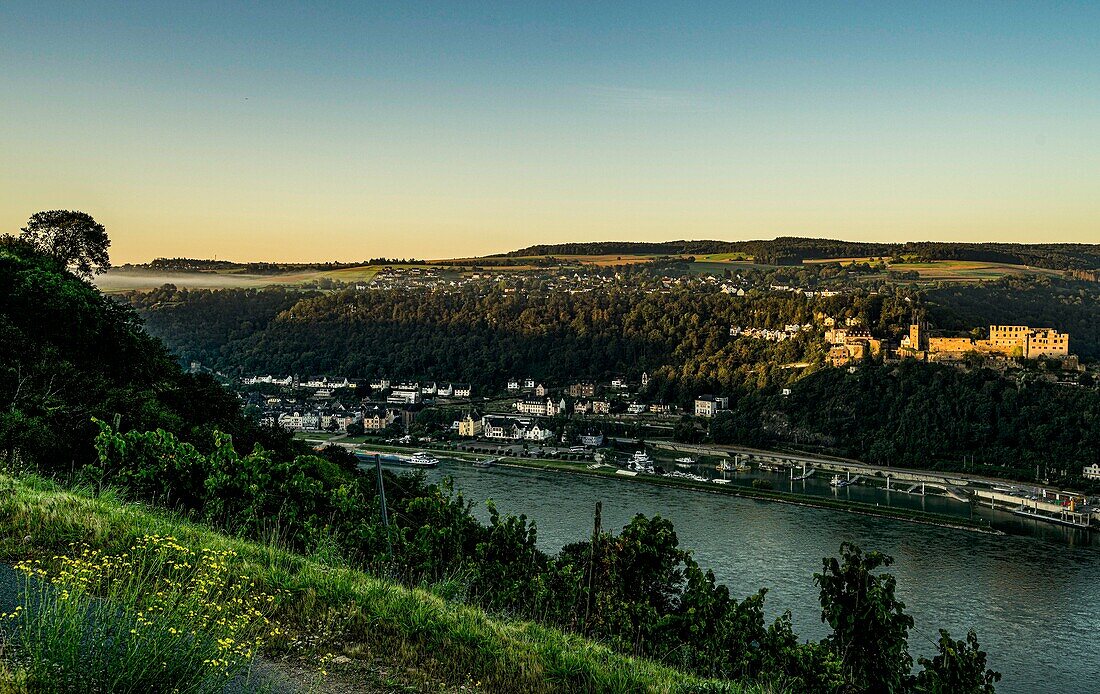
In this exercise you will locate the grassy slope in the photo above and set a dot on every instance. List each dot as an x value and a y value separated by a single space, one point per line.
449 643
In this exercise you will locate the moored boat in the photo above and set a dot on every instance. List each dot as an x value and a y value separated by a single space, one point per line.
420 459
640 463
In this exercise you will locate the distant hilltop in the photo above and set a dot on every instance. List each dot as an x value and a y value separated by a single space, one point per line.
792 250
1080 259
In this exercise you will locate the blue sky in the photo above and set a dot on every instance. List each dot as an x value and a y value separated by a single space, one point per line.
297 131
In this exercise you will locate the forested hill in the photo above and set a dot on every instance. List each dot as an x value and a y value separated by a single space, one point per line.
780 251
68 353
793 250
485 337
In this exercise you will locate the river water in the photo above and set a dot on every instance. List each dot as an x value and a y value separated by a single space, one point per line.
1033 596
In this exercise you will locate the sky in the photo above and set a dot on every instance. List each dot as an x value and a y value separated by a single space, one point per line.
343 131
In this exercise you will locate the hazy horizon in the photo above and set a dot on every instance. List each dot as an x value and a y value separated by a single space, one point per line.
286 132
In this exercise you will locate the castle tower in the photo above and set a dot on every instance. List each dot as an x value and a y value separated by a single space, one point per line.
918 335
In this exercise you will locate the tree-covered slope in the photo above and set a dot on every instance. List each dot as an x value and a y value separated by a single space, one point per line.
68 353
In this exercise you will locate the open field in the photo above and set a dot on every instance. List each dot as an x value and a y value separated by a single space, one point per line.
713 267
969 271
529 262
120 280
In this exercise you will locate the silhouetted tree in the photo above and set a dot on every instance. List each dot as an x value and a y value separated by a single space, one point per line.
72 238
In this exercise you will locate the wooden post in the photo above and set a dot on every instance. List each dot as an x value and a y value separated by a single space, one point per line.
592 562
382 499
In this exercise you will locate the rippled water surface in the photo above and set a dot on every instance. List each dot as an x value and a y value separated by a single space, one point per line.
1033 597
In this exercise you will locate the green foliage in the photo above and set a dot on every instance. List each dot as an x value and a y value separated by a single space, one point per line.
450 645
870 627
68 354
483 336
958 668
927 415
158 617
71 239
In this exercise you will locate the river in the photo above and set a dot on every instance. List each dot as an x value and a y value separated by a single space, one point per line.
1032 596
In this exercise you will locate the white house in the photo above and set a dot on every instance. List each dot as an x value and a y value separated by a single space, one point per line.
537 433
505 428
553 408
592 440
291 421
311 420
1091 472
709 405
533 406
445 391
404 397
463 390
513 384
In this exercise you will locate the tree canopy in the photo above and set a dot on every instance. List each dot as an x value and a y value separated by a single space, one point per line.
73 239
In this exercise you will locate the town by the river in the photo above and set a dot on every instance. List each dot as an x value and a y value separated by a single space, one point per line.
1032 593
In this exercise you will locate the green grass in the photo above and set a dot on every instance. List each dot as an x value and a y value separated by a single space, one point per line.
969 271
451 644
159 617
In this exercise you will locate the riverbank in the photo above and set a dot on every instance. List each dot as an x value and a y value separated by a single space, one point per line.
426 641
806 500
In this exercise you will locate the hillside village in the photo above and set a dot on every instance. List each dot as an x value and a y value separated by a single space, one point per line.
527 410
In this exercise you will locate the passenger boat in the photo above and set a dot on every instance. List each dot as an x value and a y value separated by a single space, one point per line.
420 459
487 463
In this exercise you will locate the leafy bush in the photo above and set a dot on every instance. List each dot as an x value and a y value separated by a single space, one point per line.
160 617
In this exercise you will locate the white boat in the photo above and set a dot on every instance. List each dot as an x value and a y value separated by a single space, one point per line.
640 463
420 459
688 460
686 476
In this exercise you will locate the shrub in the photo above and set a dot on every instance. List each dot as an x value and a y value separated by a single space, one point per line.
160 617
